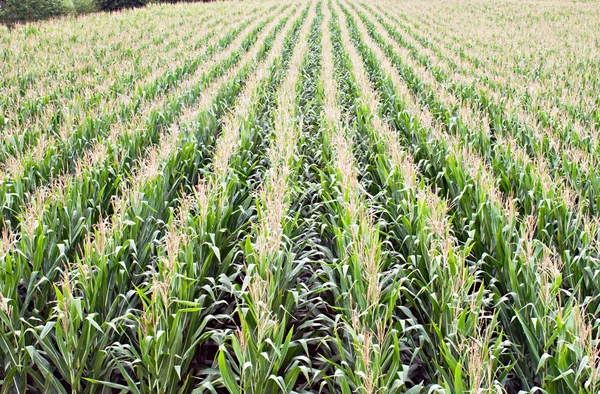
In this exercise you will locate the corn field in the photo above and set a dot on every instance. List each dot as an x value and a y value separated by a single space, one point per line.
312 196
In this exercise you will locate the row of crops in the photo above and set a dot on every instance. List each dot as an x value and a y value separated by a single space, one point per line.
326 196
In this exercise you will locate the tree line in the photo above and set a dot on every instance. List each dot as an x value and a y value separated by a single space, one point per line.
12 11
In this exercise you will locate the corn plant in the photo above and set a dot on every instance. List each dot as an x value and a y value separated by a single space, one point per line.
315 197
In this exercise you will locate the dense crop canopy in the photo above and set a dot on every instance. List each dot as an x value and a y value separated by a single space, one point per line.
316 196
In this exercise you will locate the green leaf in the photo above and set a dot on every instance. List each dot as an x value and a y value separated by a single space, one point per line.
227 374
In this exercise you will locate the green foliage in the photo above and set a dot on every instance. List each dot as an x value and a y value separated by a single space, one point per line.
30 10
113 5
17 10
85 6
328 221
